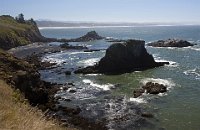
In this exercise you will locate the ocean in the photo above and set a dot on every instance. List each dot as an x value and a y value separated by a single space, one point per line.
110 97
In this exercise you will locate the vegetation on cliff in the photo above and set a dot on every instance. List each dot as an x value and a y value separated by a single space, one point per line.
18 115
17 31
27 86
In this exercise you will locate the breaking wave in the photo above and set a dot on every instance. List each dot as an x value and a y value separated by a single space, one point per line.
105 87
193 72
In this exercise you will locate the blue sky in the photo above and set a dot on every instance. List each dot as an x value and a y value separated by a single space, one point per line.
187 11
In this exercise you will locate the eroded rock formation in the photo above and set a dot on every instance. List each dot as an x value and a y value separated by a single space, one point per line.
124 57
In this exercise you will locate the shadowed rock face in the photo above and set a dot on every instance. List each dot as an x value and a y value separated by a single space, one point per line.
124 57
171 43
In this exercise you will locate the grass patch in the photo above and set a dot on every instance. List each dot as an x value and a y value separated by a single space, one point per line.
18 115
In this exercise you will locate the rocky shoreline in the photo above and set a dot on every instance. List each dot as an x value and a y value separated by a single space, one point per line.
47 101
41 93
45 91
22 72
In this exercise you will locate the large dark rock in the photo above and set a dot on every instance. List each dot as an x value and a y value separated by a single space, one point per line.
90 36
154 88
170 43
150 88
124 57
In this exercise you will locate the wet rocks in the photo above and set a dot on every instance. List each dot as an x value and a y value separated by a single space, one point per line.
87 70
67 72
147 115
138 92
154 88
91 50
70 110
36 61
72 91
124 57
150 88
170 43
67 46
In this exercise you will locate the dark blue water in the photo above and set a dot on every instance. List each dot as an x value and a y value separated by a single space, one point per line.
178 109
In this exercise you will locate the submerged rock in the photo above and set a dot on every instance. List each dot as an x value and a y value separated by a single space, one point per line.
147 115
170 43
124 57
92 50
67 72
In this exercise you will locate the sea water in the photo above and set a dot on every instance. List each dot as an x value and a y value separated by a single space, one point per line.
177 109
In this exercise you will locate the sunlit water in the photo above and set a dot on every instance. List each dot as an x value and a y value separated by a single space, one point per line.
111 97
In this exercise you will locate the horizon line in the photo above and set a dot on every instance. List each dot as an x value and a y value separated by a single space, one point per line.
118 22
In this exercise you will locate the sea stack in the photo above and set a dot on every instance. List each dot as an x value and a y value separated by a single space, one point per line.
124 57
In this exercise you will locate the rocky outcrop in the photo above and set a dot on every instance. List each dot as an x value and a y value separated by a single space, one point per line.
25 77
124 57
150 88
170 43
90 36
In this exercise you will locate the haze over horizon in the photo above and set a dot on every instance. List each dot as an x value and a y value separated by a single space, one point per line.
136 11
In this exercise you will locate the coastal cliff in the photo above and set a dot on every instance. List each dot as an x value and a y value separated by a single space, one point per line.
15 33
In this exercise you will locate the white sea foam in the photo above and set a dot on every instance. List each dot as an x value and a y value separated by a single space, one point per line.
75 53
89 62
193 72
159 59
105 87
138 100
171 63
92 74
53 60
196 49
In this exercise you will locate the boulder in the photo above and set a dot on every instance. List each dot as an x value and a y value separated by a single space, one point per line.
67 72
124 57
150 88
154 88
170 43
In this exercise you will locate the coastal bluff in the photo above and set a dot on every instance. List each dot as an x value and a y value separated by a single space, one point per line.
15 32
124 57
